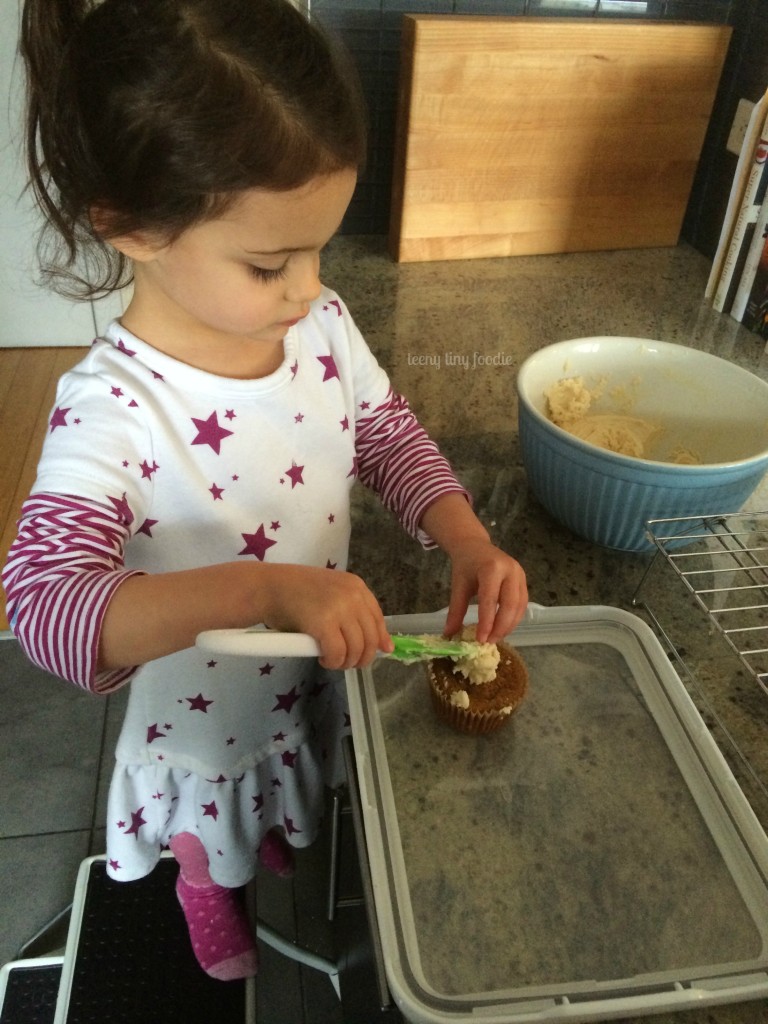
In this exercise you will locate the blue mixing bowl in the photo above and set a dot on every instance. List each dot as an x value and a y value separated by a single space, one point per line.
700 402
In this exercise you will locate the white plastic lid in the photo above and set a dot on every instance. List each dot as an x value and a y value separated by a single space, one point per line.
594 858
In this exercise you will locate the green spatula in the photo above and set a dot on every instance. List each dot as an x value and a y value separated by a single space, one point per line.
258 642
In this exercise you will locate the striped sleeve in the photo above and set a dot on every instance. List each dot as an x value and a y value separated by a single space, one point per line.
398 460
61 572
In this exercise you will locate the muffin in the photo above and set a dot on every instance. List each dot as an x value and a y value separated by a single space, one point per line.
478 695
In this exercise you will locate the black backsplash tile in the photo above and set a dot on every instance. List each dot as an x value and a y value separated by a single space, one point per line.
371 31
717 11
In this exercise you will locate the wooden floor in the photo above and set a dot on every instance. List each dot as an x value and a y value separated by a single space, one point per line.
28 378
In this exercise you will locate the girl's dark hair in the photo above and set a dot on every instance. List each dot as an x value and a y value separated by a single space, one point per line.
153 114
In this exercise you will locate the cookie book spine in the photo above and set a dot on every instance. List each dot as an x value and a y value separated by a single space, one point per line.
757 121
747 216
755 316
754 255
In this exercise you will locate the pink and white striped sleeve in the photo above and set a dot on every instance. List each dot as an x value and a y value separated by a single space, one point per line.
398 460
62 569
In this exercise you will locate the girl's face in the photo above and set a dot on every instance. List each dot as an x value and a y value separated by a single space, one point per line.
230 288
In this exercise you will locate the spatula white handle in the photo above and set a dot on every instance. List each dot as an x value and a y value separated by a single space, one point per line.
258 643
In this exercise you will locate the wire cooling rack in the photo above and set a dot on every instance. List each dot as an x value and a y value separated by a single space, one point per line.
723 562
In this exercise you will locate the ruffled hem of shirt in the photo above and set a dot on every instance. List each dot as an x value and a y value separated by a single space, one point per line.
149 805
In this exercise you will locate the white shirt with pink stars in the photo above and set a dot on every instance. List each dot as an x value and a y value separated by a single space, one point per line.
151 465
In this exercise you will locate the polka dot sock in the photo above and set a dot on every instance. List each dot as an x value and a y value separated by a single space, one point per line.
221 936
276 854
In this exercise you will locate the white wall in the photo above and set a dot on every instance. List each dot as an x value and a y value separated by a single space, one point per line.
29 314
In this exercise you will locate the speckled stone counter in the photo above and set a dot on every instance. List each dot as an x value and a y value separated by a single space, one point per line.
452 336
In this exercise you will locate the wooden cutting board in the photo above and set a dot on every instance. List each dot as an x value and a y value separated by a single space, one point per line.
541 135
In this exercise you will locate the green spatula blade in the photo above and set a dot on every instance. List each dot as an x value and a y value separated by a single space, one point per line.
413 648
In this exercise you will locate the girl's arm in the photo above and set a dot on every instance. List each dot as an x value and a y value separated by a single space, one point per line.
399 461
479 569
80 614
154 615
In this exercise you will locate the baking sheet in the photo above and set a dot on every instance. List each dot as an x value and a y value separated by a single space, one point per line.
593 851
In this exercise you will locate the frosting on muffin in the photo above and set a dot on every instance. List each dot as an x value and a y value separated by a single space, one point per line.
478 707
480 666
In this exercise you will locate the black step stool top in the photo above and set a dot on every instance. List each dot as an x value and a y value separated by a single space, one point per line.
30 995
135 962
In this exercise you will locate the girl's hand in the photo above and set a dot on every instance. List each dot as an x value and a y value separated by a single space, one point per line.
479 569
336 608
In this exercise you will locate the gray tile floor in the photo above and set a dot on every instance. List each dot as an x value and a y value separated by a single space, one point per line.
56 751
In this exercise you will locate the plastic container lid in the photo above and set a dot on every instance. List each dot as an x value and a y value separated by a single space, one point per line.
593 859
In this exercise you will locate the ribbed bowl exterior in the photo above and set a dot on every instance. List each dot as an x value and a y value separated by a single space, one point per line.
609 499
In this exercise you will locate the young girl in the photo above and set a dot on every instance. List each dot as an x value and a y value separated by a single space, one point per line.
198 462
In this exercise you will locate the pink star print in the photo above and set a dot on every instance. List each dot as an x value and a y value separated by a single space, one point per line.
147 470
209 432
59 418
256 543
290 828
122 508
331 369
153 733
136 822
199 703
126 351
146 527
210 810
295 473
216 492
285 701
117 392
265 669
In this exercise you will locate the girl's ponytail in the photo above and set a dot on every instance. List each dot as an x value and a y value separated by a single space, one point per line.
48 28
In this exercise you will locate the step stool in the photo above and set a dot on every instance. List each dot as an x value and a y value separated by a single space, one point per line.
128 958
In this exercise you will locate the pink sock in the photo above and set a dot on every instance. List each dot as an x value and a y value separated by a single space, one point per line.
192 859
276 854
221 936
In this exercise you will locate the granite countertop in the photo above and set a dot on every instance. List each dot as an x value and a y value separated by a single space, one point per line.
452 336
